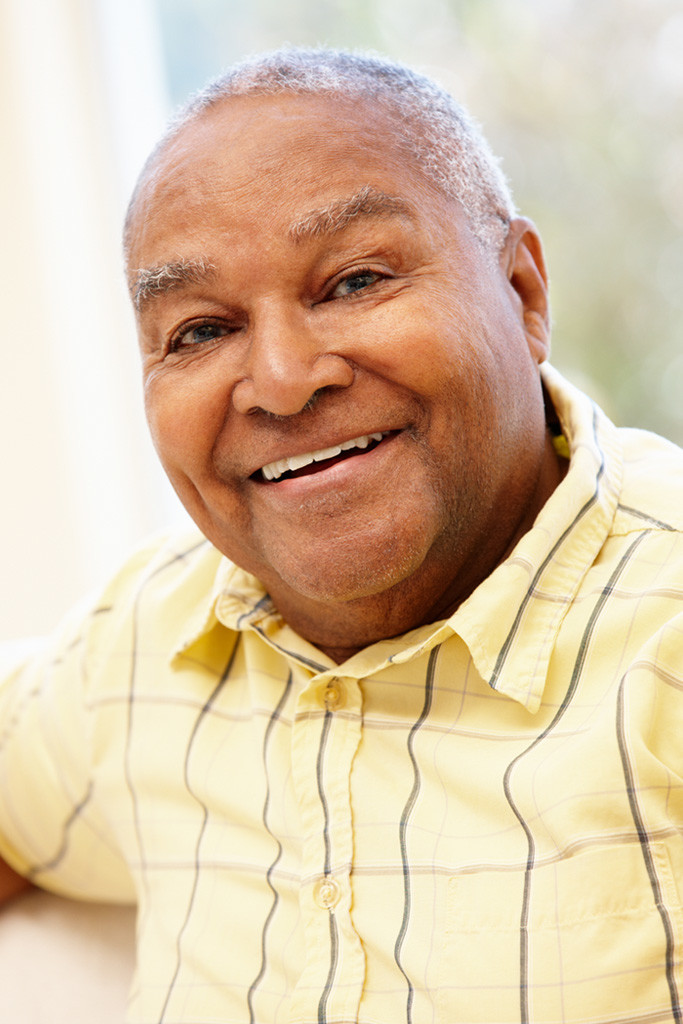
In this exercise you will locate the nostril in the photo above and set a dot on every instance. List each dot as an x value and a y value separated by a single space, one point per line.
314 398
275 402
282 380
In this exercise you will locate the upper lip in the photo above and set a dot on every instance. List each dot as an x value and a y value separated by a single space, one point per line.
274 469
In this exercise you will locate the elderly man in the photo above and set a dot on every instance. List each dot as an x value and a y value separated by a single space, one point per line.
396 737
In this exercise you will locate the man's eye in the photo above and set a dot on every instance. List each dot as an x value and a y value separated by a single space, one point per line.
354 283
198 334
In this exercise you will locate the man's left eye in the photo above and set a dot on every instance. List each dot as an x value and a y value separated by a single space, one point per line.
354 283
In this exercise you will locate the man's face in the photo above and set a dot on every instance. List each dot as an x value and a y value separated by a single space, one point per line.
312 301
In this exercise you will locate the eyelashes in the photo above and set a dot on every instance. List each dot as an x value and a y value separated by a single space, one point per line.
200 332
357 281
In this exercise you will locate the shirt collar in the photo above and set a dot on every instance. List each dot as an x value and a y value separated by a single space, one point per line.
511 621
236 600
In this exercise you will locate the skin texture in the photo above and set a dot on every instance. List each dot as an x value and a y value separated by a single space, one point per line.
282 314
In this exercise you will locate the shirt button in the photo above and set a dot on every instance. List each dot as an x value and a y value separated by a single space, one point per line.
334 695
327 893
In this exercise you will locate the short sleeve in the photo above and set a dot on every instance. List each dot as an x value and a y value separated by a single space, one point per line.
51 829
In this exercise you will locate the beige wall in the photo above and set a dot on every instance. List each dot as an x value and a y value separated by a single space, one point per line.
81 100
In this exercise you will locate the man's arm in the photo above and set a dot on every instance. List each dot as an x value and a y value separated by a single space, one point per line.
11 884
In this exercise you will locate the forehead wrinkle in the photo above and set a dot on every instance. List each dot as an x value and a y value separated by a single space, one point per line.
149 282
336 215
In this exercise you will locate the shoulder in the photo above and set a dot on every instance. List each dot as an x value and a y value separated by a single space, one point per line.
163 586
145 605
652 486
168 564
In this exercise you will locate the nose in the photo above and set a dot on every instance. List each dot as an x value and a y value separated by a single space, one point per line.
285 366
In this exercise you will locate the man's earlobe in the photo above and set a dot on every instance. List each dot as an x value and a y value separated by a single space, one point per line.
528 277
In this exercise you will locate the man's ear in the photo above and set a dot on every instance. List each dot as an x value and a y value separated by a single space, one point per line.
523 261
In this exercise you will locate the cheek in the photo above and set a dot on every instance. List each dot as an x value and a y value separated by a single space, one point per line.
437 340
185 413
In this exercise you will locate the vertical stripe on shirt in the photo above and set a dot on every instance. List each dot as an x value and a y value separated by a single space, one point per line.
132 688
275 717
403 826
632 792
206 708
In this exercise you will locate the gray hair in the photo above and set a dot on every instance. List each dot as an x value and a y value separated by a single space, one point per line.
436 131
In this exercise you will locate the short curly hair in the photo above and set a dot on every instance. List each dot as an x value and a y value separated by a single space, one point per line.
430 125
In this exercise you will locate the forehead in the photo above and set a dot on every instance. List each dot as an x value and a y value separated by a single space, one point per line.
264 159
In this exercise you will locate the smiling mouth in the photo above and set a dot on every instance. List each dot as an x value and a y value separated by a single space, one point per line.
314 462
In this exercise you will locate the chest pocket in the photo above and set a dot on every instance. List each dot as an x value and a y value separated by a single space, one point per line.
601 942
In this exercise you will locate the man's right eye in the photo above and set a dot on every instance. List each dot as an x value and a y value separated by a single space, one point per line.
198 333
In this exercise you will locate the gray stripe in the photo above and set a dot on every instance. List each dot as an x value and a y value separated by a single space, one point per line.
263 603
290 654
407 811
334 959
180 557
275 717
647 518
195 730
50 865
631 790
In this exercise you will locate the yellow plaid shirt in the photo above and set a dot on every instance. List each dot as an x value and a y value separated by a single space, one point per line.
477 821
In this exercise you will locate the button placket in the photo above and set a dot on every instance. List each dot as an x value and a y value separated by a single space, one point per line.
323 747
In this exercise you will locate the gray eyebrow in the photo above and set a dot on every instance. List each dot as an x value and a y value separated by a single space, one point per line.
148 282
367 202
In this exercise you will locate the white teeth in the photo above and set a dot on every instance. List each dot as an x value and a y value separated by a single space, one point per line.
298 461
325 453
274 470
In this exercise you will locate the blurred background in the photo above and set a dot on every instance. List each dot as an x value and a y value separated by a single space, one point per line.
582 99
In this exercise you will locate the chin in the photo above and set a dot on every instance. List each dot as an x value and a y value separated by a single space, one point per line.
352 576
